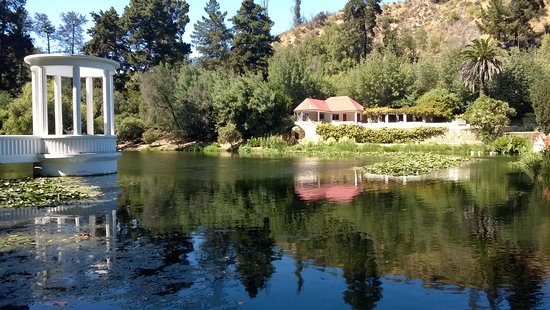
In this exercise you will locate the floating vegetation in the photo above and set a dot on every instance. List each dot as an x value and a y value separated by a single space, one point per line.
13 241
405 164
42 192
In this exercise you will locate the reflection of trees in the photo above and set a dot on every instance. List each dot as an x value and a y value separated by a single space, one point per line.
254 253
463 233
360 271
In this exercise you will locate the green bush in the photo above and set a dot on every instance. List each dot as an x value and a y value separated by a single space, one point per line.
437 102
489 115
229 134
270 142
511 145
383 135
129 128
151 135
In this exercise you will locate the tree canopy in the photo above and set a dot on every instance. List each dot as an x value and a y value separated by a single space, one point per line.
70 33
211 37
481 64
252 40
155 29
359 22
15 44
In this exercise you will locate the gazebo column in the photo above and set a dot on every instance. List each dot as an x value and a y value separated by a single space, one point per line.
387 118
35 107
58 110
77 105
404 118
89 106
42 101
107 103
112 103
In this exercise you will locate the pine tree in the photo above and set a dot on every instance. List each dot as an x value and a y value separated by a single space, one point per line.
107 37
251 47
43 25
359 21
15 44
211 37
297 15
155 31
71 34
510 24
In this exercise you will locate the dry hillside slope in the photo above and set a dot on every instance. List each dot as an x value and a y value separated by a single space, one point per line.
452 22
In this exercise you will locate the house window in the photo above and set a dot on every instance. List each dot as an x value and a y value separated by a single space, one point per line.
345 118
336 117
321 116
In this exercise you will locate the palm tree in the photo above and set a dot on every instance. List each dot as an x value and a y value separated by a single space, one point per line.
481 63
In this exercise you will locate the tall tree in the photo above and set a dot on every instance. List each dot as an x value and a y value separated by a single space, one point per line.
108 40
522 12
297 15
359 21
211 37
15 44
495 20
43 26
155 31
510 23
251 47
107 37
481 63
71 34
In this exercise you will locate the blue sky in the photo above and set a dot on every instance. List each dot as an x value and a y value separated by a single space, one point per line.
279 10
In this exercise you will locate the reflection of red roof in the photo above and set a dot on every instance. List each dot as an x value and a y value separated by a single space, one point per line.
332 104
330 192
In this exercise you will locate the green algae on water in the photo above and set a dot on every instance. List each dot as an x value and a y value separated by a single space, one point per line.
43 192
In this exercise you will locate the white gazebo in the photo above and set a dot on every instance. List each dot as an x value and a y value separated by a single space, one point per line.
67 151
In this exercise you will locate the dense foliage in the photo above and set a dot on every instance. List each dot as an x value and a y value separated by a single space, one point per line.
511 145
383 135
211 37
245 78
489 116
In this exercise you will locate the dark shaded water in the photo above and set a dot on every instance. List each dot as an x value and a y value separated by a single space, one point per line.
178 230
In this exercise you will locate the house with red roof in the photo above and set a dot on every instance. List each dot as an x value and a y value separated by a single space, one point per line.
342 109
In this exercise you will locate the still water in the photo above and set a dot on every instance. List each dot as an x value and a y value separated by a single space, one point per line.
184 231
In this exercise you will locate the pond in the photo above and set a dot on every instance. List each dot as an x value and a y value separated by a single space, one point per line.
177 230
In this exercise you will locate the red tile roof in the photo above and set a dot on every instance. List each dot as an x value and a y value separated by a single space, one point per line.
312 104
332 104
343 104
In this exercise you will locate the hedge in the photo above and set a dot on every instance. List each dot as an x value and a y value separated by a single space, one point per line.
382 135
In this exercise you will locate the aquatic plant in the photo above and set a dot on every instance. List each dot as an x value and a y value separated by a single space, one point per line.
403 164
41 192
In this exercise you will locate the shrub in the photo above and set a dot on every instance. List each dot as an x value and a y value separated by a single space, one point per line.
540 95
489 116
229 134
130 128
438 102
151 135
511 145
270 142
383 135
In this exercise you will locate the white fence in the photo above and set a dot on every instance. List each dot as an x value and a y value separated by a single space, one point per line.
25 149
20 149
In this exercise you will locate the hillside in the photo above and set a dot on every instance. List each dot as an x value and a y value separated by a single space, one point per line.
451 22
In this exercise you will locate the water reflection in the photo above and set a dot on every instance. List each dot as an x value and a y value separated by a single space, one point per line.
206 232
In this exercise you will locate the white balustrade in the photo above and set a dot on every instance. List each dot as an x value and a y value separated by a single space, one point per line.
19 149
70 145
